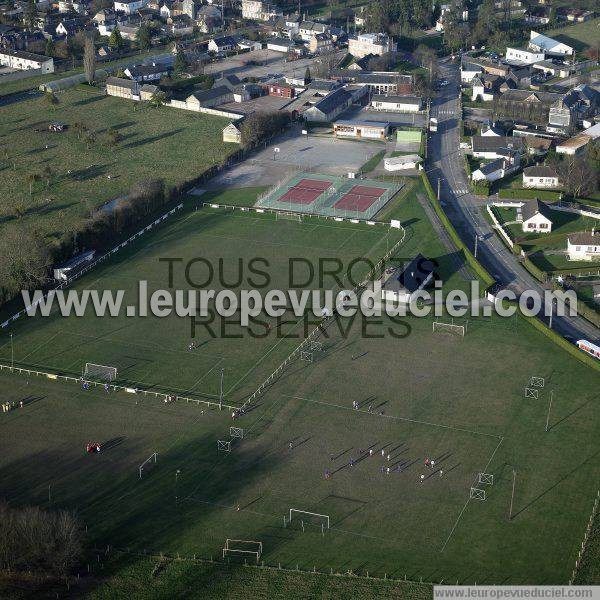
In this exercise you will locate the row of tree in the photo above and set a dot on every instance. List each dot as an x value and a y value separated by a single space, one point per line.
262 126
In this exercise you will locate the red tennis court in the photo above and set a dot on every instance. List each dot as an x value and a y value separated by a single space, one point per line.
305 191
359 198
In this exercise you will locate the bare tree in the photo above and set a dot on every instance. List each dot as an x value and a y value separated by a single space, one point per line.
89 59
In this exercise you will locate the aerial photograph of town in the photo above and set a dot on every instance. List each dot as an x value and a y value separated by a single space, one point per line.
300 299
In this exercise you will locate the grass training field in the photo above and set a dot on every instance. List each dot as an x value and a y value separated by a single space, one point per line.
99 171
457 400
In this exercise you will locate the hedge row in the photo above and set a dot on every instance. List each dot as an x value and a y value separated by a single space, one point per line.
564 344
589 313
473 262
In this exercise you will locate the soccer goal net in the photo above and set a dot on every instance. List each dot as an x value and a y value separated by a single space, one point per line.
288 216
99 372
151 460
449 328
242 548
308 518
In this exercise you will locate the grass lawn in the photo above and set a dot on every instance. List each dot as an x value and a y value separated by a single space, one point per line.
231 197
580 36
155 143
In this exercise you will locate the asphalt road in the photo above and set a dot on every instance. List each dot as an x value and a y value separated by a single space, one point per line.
445 162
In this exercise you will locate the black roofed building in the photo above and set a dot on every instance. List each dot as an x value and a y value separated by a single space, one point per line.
401 284
495 146
210 98
327 109
537 217
540 176
151 72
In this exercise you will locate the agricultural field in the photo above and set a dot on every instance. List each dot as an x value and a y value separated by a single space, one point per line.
374 394
72 173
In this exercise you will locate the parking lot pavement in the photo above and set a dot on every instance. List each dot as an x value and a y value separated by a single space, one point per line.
298 152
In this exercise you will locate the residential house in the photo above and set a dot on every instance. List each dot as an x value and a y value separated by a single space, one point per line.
244 44
547 45
231 81
523 56
582 102
105 21
488 87
320 43
69 6
493 147
328 108
69 27
308 29
180 25
498 168
25 61
537 217
123 88
574 15
151 72
370 43
537 146
129 7
584 245
129 28
537 15
256 10
396 103
540 176
469 70
209 20
222 45
210 98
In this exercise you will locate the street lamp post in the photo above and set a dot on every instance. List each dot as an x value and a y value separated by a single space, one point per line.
12 353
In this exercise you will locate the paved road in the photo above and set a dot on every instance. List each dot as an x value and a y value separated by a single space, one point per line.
445 162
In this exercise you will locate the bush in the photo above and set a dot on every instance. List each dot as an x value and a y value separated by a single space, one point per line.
473 262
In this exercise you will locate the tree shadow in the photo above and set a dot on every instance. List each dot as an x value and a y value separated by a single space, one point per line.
153 139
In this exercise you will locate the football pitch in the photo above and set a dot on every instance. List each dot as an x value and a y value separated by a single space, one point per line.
215 250
390 385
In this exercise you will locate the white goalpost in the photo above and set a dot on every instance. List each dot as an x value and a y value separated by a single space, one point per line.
241 547
449 328
152 458
309 517
288 216
101 372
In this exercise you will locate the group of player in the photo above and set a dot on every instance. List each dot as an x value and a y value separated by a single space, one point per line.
8 406
430 463
91 447
86 385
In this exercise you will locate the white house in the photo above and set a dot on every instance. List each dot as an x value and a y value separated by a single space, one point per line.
129 6
468 71
537 217
542 43
370 43
396 103
492 147
257 10
401 163
222 45
584 245
278 44
24 61
497 169
402 284
523 56
540 177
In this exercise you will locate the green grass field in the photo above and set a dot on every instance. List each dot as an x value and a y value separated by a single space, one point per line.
459 401
581 36
168 143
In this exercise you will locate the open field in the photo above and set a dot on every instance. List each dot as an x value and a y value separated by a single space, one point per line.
441 400
152 353
581 36
85 175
